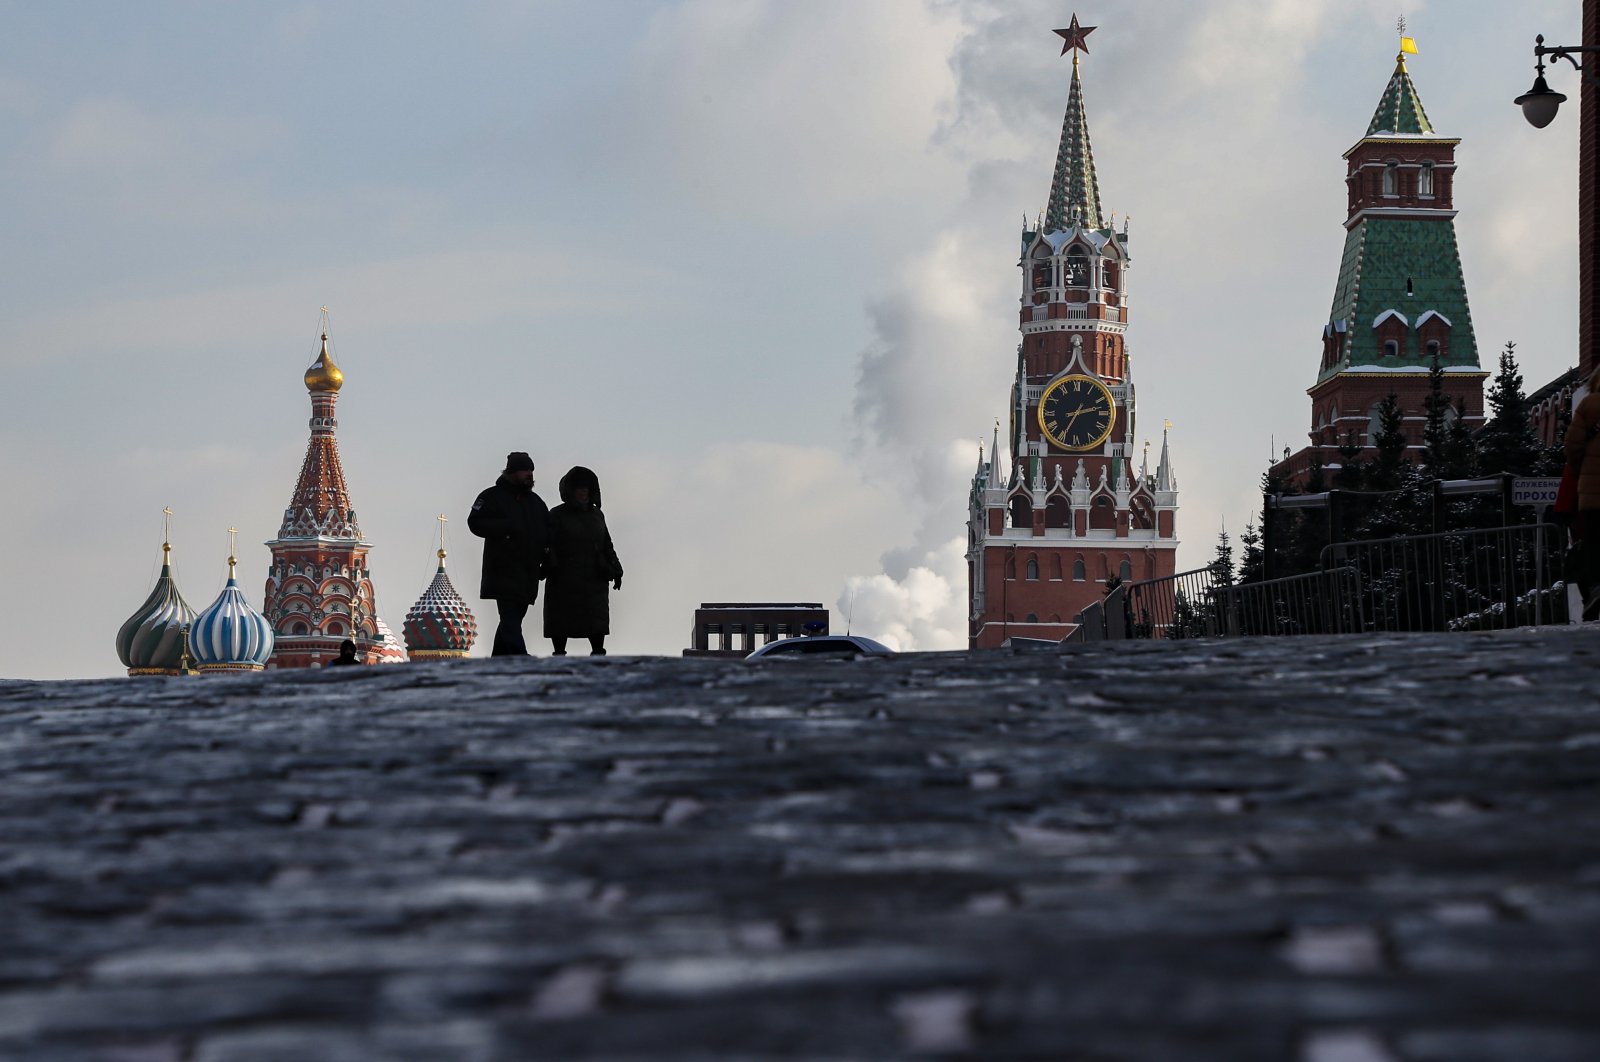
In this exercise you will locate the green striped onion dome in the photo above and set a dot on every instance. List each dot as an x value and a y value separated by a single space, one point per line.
151 641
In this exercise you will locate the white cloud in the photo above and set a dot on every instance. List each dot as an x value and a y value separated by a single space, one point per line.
790 113
922 609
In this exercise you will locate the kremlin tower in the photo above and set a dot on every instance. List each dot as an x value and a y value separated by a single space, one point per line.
1400 300
319 591
1070 511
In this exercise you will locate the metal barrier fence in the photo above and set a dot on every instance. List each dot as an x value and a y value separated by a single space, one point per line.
1456 580
1453 581
1318 603
1178 606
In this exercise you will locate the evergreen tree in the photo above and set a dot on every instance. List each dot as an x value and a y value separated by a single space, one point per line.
1388 469
1506 443
1462 453
1436 423
1252 562
1351 472
1316 478
1222 564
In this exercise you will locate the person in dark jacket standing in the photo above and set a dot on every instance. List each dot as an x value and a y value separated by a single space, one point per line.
513 522
1582 446
583 566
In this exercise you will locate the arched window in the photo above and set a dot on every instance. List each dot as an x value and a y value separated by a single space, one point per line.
1126 571
1055 568
1021 512
1433 348
1425 179
1391 349
1058 512
335 628
301 628
1079 574
1077 268
1033 568
1391 178
1033 617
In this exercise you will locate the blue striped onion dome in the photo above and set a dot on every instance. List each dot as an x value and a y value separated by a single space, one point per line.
230 635
151 641
440 623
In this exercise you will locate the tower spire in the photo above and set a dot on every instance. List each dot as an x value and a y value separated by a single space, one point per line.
1074 189
1400 109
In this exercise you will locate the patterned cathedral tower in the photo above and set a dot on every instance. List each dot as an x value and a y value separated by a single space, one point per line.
319 591
1400 300
1047 530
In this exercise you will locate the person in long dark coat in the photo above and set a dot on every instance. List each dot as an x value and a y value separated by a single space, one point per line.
514 524
583 567
1582 446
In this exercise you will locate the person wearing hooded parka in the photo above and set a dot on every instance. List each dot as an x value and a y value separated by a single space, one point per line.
583 566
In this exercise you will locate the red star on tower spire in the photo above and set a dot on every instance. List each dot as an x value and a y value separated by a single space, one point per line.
1075 35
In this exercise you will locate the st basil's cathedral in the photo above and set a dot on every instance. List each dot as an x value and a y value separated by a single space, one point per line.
1076 508
319 589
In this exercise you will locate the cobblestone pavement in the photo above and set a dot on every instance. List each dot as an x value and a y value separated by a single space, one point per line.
1323 850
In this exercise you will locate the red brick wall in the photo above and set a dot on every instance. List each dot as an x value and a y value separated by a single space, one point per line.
1588 186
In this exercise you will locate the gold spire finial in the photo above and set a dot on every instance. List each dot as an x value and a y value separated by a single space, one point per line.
443 520
324 375
232 542
166 534
1166 425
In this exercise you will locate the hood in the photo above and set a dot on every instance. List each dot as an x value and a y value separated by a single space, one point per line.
576 477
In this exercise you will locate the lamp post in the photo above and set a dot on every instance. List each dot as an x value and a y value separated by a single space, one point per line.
1540 103
1539 106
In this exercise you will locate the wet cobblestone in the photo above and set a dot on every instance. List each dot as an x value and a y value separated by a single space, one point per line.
1362 848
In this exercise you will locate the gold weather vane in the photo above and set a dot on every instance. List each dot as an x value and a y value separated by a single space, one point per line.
1166 425
1408 45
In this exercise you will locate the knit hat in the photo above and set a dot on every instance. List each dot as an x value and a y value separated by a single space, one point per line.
518 462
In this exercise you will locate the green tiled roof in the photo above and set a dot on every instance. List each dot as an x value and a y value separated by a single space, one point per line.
1380 256
1400 111
1074 191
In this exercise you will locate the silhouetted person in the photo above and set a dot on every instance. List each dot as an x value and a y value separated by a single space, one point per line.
583 567
513 522
347 655
1582 446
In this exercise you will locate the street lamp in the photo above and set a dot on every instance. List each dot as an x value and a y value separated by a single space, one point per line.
1540 103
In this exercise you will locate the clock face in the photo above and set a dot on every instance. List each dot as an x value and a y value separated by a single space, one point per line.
1077 412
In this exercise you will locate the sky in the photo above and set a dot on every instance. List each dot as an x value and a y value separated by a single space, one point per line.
753 261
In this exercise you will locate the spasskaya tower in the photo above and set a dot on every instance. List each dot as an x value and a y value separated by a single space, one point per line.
1070 510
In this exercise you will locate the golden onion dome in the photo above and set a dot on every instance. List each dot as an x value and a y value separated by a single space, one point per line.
324 375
